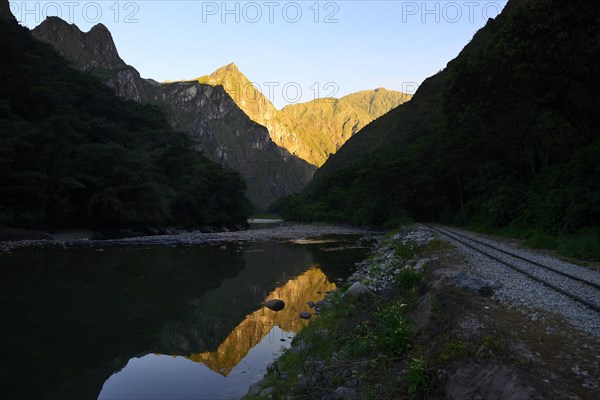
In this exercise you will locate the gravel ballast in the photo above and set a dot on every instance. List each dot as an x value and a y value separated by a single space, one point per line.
519 291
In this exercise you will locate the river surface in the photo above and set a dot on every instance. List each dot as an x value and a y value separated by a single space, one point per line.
158 321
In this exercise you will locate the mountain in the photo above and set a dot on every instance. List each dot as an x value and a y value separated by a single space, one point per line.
312 130
254 104
506 134
322 126
218 127
5 13
377 102
72 154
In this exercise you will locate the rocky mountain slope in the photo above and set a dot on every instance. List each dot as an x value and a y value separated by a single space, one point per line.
253 103
311 130
217 125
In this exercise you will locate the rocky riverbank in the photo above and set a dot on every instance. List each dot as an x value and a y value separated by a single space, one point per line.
284 231
412 322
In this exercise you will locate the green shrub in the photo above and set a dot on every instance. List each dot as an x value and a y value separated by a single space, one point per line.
417 378
406 251
585 245
454 351
541 240
408 278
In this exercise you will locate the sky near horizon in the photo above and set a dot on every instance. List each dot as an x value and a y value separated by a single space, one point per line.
293 51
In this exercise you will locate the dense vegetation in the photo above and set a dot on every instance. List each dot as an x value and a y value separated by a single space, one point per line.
73 154
506 135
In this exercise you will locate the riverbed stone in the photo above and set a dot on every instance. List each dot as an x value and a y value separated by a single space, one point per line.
323 305
255 388
305 315
274 304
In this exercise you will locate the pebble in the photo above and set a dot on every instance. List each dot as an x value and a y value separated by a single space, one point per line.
305 315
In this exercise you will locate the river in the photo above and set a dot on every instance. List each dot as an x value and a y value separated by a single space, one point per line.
173 320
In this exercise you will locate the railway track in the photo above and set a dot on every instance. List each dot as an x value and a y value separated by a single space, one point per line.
575 287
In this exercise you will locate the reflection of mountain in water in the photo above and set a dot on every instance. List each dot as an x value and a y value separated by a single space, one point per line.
72 318
217 312
310 286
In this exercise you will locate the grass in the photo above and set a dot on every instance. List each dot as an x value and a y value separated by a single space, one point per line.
541 240
408 279
406 251
459 349
418 378
583 245
409 282
493 344
455 350
437 245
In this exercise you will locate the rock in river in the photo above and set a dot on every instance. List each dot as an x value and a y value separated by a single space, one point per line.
275 304
305 315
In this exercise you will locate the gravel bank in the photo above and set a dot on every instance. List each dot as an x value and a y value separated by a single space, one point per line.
535 299
379 272
282 232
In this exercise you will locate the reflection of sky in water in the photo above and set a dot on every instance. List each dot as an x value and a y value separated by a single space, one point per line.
166 377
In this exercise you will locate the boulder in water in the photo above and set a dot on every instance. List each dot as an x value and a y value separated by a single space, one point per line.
275 304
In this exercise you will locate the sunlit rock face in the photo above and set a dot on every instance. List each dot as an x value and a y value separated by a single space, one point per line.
322 126
220 129
254 104
310 286
311 130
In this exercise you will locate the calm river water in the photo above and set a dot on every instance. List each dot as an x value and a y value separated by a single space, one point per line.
157 322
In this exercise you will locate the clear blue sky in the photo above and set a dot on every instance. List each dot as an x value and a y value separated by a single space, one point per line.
301 45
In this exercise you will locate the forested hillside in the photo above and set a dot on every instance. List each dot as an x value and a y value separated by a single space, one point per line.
73 154
507 134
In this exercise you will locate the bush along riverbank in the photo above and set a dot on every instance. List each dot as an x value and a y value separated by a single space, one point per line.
406 326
